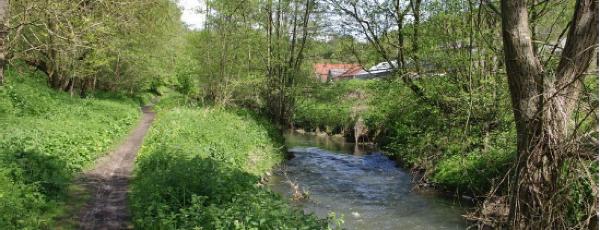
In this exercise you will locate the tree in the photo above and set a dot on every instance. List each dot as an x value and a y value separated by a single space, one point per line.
543 102
4 15
113 45
285 54
377 21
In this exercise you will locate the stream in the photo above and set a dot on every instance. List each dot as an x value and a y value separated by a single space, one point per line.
362 184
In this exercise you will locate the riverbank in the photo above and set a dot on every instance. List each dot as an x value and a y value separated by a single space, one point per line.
337 143
226 152
460 151
361 184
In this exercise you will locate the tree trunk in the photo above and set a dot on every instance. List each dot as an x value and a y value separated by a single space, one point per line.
400 37
71 86
4 16
542 106
55 78
416 8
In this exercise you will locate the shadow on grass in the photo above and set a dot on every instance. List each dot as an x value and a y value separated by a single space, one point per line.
174 190
40 183
49 173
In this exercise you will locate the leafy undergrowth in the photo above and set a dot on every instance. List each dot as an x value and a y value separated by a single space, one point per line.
327 107
171 99
200 169
463 150
46 138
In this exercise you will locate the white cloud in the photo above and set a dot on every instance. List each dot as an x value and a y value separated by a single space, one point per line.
191 14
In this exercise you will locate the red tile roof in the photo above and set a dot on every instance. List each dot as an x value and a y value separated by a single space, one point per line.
322 69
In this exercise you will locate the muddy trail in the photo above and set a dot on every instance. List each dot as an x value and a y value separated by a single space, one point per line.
107 183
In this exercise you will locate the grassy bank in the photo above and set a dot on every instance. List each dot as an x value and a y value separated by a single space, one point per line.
200 168
458 151
46 138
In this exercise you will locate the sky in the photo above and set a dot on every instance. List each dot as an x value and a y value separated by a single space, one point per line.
190 14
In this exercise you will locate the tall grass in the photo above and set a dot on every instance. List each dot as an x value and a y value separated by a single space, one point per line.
46 138
200 169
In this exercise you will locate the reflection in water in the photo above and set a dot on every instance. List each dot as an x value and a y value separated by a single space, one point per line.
335 144
368 189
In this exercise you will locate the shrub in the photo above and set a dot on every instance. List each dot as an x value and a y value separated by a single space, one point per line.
474 172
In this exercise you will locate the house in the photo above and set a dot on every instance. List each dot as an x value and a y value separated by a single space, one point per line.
326 72
333 72
386 69
382 69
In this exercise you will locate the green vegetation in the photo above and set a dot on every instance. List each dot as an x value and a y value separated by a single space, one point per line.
326 106
444 109
82 47
46 138
200 168
418 135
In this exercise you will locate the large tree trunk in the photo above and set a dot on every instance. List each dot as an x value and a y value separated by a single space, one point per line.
4 14
543 105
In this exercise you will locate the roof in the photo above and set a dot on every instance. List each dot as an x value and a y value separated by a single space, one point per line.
354 70
384 66
337 70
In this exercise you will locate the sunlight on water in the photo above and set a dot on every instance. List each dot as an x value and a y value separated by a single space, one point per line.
366 187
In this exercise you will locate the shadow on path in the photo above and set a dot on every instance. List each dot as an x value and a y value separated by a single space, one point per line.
108 183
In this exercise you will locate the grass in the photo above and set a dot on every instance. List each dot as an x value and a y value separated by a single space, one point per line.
47 137
200 169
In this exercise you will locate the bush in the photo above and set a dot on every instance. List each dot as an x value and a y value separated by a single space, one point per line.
330 106
475 171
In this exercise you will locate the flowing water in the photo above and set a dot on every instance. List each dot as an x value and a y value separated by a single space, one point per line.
362 184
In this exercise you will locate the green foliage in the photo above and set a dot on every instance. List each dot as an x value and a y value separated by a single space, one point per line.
21 205
232 71
473 172
581 191
122 46
171 99
145 98
329 106
46 137
225 152
453 149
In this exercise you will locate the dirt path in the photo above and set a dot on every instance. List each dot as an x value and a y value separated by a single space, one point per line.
108 183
